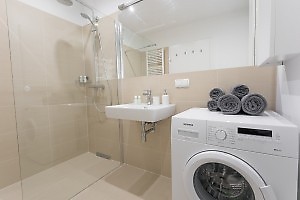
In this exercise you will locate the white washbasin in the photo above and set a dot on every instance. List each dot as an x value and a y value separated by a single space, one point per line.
140 112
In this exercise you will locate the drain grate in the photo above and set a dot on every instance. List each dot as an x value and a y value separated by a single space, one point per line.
102 155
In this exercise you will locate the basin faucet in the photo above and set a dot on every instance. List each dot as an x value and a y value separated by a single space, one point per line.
148 95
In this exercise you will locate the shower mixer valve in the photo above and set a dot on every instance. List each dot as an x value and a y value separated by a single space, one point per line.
83 79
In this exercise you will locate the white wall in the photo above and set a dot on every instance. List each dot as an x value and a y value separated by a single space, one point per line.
288 90
189 57
228 35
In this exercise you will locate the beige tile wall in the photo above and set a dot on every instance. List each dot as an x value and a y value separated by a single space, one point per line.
9 159
47 58
154 155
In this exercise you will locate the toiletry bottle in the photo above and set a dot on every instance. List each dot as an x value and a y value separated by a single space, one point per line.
139 100
165 98
155 100
135 100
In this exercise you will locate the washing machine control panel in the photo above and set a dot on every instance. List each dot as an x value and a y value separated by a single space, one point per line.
240 136
221 134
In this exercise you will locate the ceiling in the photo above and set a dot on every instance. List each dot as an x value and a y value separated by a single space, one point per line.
175 12
72 13
145 17
105 7
149 18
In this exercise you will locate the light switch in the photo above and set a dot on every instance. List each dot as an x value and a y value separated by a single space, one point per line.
182 83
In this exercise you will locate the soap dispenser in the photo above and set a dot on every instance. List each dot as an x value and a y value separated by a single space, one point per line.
165 98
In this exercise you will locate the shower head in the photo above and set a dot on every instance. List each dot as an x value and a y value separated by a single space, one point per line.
123 6
65 2
87 17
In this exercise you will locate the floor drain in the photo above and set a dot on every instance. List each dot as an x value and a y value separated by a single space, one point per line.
102 155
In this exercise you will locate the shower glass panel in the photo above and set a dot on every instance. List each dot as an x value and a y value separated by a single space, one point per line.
65 141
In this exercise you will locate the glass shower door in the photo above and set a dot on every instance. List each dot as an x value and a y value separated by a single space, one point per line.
62 129
10 187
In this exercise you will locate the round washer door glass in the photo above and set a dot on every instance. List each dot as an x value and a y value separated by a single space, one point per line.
216 181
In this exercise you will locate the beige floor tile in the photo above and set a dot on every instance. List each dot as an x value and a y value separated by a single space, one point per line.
129 183
62 181
12 192
131 179
160 190
65 180
105 191
141 183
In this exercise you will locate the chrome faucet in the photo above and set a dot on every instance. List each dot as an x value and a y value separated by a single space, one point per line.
148 95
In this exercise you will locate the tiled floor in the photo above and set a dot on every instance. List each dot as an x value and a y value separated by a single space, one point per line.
63 181
129 183
12 192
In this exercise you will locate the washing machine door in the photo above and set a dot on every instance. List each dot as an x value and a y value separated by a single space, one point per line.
214 175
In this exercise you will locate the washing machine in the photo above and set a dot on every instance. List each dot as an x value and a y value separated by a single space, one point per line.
233 157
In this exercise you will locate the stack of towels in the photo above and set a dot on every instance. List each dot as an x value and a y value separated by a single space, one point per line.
239 100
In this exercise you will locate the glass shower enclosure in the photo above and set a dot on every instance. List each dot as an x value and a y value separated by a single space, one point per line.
63 73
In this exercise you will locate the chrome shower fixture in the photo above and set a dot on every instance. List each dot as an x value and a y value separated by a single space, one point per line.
70 3
84 15
66 2
148 46
123 6
94 21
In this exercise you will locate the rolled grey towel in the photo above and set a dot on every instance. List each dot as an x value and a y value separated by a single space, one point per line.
216 93
212 105
254 104
240 91
229 104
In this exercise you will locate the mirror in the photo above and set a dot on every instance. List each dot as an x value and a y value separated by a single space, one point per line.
184 36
